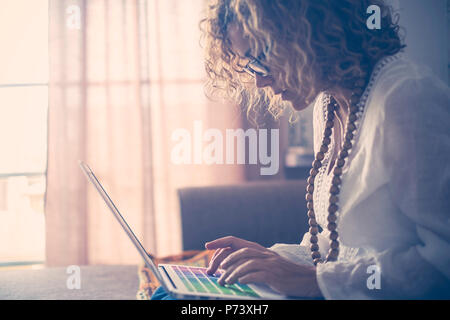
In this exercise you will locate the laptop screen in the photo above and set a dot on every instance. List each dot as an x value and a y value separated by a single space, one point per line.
93 179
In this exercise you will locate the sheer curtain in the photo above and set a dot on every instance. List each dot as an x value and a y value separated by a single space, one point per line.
121 82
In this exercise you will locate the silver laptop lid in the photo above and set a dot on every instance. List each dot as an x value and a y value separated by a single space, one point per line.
148 261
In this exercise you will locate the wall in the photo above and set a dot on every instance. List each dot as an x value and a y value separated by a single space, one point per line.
426 24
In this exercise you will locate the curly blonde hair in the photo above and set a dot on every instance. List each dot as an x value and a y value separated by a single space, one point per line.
311 44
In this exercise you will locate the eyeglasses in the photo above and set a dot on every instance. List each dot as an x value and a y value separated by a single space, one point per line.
255 67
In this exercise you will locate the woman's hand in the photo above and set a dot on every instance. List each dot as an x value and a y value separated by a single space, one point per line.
224 247
247 262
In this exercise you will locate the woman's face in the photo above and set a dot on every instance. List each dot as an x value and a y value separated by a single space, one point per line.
241 47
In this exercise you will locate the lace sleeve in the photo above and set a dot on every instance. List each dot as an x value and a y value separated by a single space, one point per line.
294 253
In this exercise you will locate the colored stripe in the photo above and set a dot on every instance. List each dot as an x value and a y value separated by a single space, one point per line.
193 280
183 279
204 280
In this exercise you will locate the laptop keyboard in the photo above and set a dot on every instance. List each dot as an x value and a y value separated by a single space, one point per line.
196 279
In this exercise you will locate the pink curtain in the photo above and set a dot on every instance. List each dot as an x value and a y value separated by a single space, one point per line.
120 85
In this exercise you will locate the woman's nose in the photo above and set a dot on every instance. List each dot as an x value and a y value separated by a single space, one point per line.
262 82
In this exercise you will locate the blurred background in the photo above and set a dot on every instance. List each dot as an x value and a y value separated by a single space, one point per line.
108 82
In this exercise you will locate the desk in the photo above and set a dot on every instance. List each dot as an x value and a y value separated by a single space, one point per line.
97 283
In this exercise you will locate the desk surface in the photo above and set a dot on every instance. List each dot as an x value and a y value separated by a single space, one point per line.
97 283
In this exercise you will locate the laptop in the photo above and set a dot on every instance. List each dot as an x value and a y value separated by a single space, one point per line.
184 282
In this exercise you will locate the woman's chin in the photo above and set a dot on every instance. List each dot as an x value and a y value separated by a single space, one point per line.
298 105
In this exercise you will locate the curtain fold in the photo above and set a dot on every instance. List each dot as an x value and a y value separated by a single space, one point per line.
120 85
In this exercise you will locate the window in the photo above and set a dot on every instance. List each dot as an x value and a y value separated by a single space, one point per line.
23 129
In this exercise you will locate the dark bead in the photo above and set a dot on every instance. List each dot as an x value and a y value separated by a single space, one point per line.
332 255
332 218
311 180
334 244
310 205
311 214
340 163
347 145
309 197
314 247
316 164
334 199
330 116
327 132
343 154
320 156
326 141
312 222
329 124
324 148
352 117
333 209
332 226
317 261
313 172
331 107
313 230
333 235
313 239
315 255
351 127
337 171
349 136
334 252
334 190
336 181
310 188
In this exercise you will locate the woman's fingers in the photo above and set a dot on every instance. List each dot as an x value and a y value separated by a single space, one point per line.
217 259
244 253
229 241
250 266
227 246
240 258
226 273
232 242
216 252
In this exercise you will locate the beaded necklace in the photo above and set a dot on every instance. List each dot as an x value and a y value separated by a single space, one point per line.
355 99
347 144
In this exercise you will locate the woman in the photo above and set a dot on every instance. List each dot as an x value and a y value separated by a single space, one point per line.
377 196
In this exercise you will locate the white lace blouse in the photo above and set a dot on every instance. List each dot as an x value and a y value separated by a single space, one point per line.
394 216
